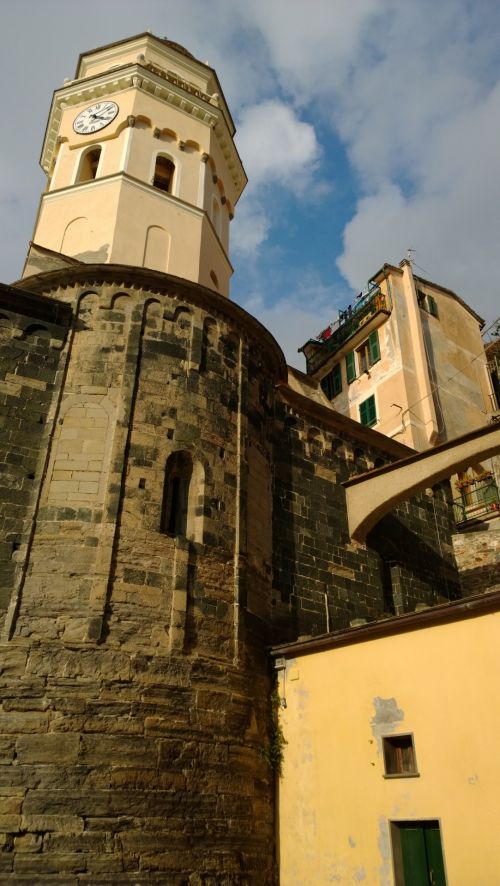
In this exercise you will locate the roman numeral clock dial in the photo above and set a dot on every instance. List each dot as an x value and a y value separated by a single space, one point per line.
95 117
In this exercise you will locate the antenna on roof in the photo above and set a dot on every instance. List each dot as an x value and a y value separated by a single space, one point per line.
409 254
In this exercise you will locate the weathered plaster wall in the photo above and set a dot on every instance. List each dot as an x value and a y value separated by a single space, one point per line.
335 806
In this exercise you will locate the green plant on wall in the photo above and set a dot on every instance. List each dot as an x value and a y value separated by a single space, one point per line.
273 751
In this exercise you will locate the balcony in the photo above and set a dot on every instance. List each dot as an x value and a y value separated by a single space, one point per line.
477 501
328 342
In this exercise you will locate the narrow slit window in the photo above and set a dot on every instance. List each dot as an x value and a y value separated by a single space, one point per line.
182 501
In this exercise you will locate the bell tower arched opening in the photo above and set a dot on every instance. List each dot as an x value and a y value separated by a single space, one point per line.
164 174
89 164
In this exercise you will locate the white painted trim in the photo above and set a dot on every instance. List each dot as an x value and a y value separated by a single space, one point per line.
127 144
79 159
201 184
57 164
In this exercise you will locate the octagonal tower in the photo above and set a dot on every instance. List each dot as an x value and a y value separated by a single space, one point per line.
141 164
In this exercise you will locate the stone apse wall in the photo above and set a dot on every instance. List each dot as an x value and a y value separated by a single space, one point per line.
180 514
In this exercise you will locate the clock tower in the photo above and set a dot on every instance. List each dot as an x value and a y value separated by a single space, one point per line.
141 164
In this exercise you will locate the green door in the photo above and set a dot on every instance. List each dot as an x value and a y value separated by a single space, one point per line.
422 855
435 861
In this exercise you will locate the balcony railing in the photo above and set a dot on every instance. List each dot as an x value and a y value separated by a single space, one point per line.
349 321
477 500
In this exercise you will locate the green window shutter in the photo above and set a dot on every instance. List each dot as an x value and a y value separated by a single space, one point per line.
325 385
374 347
368 412
431 304
350 366
337 379
332 382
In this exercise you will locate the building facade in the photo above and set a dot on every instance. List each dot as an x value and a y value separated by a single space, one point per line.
407 359
389 770
171 500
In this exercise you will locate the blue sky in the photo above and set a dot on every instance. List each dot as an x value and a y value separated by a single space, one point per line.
366 127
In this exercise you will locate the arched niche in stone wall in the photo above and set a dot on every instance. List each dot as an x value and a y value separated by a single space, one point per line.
183 497
79 461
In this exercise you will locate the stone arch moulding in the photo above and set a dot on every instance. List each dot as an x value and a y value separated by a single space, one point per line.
120 300
152 315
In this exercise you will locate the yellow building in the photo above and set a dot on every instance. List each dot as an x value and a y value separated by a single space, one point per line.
406 359
390 772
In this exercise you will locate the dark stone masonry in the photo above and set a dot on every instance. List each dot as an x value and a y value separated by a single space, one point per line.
172 503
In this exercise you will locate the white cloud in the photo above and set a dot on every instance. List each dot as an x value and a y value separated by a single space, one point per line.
279 151
250 228
412 90
409 88
277 146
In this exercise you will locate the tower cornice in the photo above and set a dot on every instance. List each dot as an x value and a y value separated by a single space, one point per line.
166 86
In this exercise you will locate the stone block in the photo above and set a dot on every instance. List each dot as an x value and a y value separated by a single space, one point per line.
28 843
10 824
101 750
11 803
60 863
50 748
18 722
62 824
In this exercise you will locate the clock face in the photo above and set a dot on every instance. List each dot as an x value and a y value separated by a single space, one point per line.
95 118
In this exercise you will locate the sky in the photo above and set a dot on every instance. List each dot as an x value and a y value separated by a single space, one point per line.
366 128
